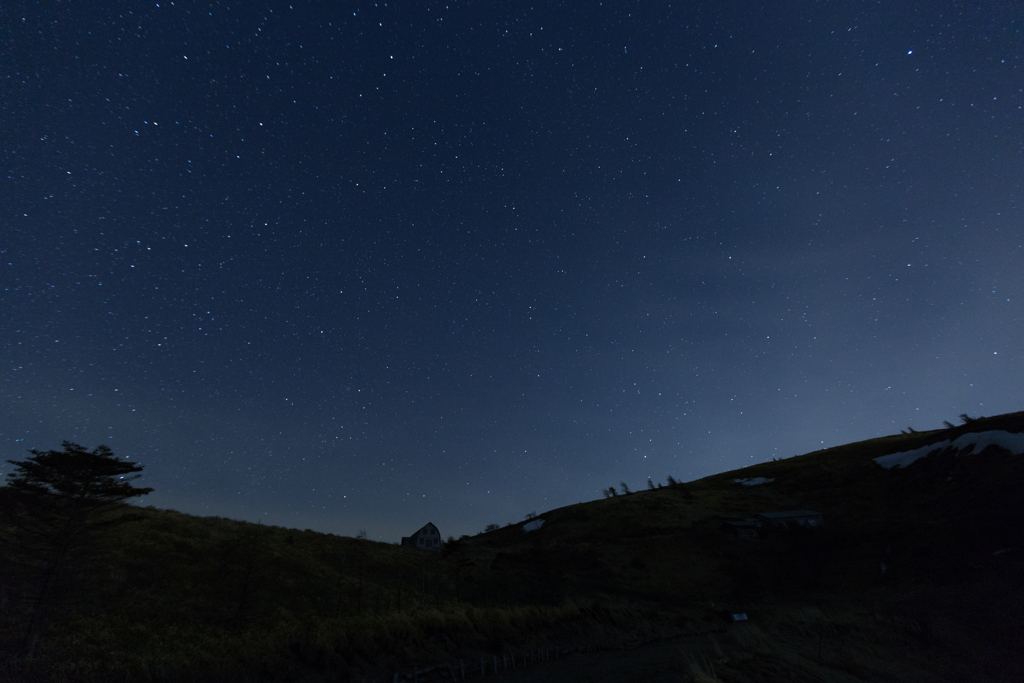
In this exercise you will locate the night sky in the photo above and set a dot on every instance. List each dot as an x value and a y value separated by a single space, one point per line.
357 266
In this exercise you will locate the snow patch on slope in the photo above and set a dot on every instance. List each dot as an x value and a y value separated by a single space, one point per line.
753 481
968 443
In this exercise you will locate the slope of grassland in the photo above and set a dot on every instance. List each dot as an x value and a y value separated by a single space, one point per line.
916 575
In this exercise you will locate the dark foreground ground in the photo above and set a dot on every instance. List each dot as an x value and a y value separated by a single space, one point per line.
657 663
744 653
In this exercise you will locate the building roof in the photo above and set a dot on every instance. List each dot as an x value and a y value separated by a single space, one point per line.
426 537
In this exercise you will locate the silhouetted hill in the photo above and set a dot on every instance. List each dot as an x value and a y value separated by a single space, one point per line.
915 575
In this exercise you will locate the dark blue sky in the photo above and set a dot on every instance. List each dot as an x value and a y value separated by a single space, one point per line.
361 266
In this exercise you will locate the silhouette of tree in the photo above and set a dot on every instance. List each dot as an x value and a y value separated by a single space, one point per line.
54 505
625 489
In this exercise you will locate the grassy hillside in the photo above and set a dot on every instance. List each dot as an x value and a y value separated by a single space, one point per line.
916 575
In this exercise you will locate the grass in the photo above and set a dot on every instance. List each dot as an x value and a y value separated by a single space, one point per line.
182 598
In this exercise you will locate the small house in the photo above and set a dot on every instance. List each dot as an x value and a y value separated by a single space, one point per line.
427 538
791 519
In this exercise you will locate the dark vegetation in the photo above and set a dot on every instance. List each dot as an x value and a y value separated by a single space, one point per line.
57 506
916 576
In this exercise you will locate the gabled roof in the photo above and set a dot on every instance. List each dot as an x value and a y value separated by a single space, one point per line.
426 537
428 525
